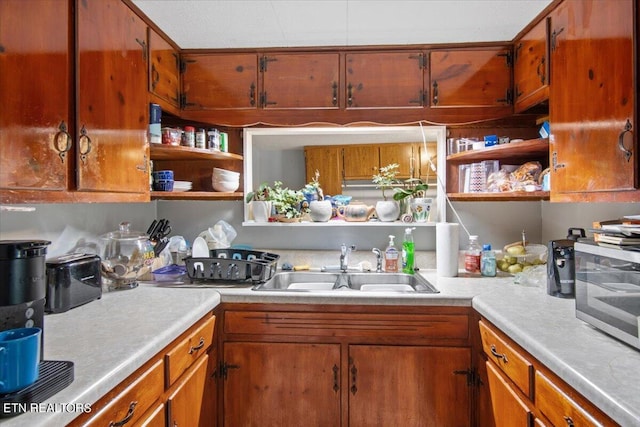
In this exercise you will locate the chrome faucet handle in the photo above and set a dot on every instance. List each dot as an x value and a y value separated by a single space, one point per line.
378 253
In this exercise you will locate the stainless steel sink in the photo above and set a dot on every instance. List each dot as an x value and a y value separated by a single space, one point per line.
361 282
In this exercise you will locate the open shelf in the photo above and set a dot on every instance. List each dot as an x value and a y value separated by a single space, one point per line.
339 223
500 197
527 148
195 195
178 152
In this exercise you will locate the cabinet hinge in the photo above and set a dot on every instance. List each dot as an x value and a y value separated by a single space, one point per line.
183 101
554 162
223 370
421 60
264 61
184 63
508 98
516 52
473 379
508 57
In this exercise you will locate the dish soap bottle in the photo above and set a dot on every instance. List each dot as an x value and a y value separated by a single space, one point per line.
408 249
472 255
488 261
391 257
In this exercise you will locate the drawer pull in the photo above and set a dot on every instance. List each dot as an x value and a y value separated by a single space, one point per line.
495 353
198 347
569 421
127 418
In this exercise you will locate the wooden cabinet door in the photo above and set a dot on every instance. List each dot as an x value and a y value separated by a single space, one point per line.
300 80
360 161
531 68
405 155
408 386
186 402
327 160
470 78
220 81
281 384
164 74
112 107
385 79
591 102
36 122
508 409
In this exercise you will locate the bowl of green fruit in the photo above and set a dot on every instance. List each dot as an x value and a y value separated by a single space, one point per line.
517 258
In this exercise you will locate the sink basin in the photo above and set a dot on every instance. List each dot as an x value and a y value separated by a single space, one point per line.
360 282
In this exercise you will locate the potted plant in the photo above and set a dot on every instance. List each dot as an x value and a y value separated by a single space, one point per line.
312 190
387 210
287 203
320 210
412 196
260 201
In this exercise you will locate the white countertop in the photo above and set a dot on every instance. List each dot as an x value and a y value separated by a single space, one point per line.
109 339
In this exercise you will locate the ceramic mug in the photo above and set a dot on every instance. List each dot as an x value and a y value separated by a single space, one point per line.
19 358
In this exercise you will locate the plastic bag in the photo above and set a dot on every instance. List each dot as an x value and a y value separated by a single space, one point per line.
220 235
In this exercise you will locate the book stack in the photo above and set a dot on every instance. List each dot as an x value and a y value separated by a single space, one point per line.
620 233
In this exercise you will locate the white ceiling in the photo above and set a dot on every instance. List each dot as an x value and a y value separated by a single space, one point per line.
196 24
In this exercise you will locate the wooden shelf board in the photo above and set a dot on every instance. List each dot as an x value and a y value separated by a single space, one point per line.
527 148
499 197
177 152
195 195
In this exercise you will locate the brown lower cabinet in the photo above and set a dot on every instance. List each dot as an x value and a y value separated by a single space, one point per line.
352 365
169 390
517 390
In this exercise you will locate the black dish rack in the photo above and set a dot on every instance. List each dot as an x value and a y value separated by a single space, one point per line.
233 265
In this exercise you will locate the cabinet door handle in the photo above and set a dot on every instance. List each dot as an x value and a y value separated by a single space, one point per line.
84 144
62 141
336 378
627 152
349 94
540 71
127 417
354 377
198 347
569 421
434 93
497 355
155 77
334 99
252 94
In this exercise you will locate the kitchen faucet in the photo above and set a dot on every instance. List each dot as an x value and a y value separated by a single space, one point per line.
378 253
344 256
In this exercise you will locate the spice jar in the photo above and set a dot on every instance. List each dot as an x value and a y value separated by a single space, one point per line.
201 138
189 136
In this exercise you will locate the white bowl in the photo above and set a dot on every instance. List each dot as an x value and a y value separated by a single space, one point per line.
225 186
225 174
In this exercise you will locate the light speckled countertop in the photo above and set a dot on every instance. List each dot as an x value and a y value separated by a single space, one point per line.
110 338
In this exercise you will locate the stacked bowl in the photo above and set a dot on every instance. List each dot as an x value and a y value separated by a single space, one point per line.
163 180
225 180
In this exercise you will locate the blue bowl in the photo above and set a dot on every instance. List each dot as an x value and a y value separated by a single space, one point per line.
163 185
163 175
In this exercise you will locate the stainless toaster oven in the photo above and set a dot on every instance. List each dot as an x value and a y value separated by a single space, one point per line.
608 290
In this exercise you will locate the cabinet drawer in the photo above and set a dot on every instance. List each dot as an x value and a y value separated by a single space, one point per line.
156 417
508 359
185 352
449 326
558 407
508 408
134 400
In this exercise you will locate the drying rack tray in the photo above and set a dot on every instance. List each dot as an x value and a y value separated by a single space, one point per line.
234 265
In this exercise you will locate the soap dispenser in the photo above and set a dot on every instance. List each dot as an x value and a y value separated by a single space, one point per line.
408 249
391 256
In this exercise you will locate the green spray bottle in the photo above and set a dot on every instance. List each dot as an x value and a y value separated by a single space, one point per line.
408 251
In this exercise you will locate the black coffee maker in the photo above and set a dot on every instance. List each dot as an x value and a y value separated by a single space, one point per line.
561 270
22 283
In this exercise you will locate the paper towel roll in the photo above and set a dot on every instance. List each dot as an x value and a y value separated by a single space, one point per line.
447 247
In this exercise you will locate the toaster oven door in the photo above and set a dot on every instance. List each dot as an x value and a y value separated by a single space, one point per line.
608 295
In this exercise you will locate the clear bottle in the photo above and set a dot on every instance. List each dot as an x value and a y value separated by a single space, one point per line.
488 261
391 256
408 252
472 255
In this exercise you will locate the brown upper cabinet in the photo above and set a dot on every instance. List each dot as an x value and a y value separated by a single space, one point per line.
327 160
47 153
385 79
164 73
300 80
220 81
531 68
470 78
593 105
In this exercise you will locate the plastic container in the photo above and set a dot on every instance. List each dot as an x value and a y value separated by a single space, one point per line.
391 256
472 255
488 261
408 252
